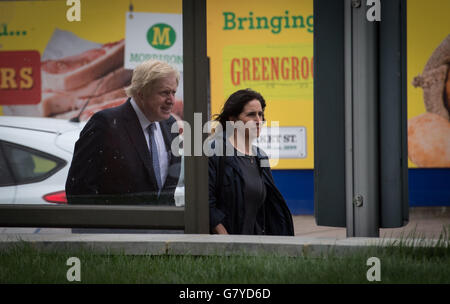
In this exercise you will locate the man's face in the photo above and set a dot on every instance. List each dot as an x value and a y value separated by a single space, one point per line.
158 101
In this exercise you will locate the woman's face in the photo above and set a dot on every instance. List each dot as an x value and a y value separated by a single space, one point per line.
252 117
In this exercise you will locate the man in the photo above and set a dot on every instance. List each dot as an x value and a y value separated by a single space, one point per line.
123 155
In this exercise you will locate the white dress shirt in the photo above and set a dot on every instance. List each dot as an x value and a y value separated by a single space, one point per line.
163 154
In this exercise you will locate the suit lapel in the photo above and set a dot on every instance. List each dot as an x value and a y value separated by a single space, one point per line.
137 139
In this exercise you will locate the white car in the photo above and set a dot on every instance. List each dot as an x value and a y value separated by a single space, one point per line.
35 156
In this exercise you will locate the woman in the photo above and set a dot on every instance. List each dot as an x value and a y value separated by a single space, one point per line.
243 197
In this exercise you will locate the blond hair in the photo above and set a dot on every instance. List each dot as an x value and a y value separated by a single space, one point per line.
147 73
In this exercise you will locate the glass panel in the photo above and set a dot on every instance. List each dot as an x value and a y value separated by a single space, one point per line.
76 73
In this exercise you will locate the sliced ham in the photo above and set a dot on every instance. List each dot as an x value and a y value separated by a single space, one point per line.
55 102
112 81
76 71
92 109
119 93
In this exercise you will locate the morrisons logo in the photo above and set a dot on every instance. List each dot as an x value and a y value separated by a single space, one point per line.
161 36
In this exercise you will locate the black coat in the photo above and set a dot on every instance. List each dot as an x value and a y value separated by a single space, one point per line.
227 203
112 163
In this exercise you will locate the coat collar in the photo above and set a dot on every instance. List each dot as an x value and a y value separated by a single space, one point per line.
231 160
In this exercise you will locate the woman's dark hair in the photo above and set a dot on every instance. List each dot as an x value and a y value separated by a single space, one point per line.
236 103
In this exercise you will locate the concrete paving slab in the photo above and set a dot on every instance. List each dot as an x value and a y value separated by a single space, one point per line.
162 244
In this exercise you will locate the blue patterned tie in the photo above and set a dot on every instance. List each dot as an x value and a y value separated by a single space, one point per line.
154 153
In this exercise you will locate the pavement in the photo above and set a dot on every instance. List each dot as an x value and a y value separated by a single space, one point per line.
424 222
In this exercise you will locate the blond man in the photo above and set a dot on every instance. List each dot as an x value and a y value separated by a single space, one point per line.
123 155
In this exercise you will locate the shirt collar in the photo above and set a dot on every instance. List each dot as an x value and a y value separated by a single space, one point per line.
143 120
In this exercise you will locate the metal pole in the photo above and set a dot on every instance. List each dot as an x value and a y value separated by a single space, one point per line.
348 118
195 94
364 99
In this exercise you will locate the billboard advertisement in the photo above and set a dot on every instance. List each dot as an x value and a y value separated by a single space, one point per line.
268 48
428 87
67 59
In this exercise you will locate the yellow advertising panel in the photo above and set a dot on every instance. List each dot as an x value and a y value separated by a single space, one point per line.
32 22
428 83
62 58
277 70
251 44
267 47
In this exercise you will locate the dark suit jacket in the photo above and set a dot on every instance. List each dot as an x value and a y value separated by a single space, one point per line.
112 164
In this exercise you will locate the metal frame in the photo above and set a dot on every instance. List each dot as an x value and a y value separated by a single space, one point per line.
91 216
393 138
375 78
364 170
348 103
329 114
360 117
196 91
194 217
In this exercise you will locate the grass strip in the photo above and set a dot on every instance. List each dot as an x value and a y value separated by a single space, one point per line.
399 263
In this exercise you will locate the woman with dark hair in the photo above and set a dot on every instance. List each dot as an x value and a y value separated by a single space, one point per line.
243 198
